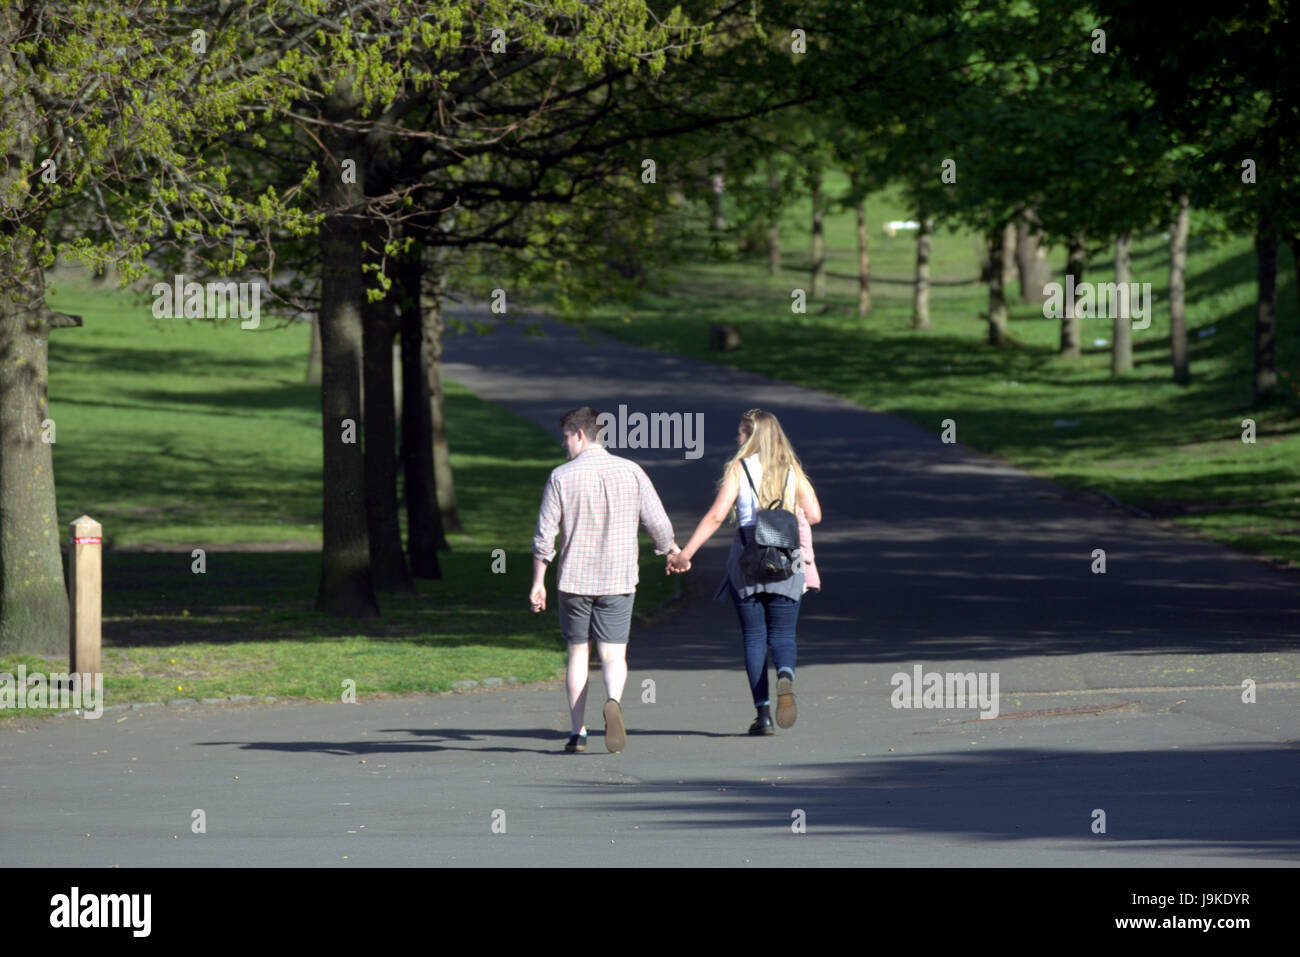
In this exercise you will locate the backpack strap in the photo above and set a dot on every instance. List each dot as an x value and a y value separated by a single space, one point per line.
751 481
758 504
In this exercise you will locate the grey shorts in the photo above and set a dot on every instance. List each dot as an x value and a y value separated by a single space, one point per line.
603 617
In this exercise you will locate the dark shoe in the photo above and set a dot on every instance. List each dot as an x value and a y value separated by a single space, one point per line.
763 723
615 733
786 711
577 742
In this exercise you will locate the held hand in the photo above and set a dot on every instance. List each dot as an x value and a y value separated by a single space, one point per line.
678 563
537 598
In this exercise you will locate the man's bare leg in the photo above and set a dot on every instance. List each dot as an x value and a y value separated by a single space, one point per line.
575 683
613 665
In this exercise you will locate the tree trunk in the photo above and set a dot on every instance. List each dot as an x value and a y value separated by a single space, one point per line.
432 309
818 238
1265 311
774 228
424 535
1121 352
1031 259
33 592
313 356
1293 242
1008 257
346 585
921 290
1070 338
1178 291
395 377
864 261
388 564
716 222
997 288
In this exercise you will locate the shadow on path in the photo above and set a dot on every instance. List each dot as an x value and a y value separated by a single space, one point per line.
434 736
926 549
1240 801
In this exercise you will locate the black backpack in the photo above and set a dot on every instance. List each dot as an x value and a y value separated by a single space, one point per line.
769 555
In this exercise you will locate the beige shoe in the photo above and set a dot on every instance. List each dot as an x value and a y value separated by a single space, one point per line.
615 733
786 712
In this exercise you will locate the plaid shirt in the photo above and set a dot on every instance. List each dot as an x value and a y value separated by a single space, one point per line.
596 500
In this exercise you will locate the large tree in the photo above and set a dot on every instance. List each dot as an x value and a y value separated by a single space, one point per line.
105 108
416 113
1227 82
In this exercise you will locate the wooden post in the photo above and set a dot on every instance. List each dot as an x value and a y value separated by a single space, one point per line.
85 595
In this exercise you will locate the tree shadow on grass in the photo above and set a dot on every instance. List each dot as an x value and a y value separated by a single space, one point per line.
147 362
247 594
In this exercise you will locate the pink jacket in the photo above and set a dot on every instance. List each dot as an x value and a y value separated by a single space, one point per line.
811 578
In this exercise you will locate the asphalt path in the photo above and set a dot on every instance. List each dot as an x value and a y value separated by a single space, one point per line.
1120 694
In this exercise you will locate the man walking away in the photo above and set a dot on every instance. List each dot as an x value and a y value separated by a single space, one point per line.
596 501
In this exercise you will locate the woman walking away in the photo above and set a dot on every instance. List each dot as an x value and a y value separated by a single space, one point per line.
764 472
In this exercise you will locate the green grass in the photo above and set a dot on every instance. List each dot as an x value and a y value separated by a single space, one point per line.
1174 451
181 434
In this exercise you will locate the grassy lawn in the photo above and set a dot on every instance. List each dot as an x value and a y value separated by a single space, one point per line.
1171 450
180 434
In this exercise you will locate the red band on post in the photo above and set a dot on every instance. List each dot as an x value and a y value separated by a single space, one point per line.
88 540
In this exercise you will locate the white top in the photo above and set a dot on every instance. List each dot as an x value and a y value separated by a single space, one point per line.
746 507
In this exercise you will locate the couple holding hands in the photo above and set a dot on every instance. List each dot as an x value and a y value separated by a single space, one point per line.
598 500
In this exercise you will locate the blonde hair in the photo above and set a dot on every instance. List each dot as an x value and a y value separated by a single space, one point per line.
776 458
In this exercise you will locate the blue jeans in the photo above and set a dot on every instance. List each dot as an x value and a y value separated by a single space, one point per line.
766 621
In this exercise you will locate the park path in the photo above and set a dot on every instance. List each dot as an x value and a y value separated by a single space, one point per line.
930 555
